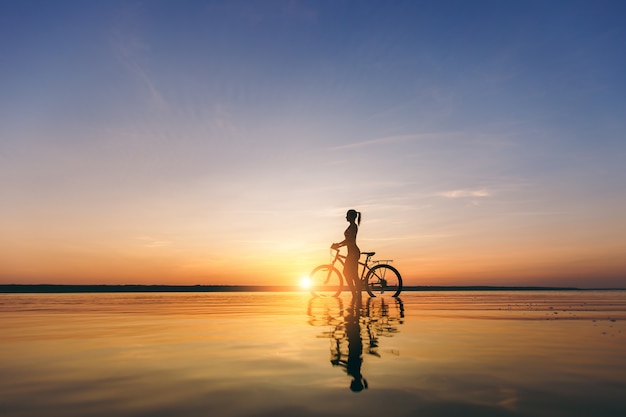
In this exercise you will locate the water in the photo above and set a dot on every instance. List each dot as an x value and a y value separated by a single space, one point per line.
545 353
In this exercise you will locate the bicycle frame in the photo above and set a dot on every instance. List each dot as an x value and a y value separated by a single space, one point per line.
365 265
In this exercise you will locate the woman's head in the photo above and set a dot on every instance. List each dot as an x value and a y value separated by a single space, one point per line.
353 216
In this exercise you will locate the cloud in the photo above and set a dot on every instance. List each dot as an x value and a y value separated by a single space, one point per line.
395 139
150 242
464 193
128 47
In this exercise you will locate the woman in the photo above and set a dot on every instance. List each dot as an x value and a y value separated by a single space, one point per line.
351 267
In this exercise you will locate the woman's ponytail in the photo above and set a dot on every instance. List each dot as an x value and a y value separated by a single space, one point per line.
358 218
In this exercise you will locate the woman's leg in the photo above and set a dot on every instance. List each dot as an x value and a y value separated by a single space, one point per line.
347 274
351 272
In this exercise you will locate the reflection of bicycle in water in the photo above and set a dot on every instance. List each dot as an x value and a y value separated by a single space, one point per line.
356 332
383 317
377 277
325 311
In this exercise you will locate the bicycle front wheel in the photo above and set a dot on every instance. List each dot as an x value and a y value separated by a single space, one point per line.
326 281
383 280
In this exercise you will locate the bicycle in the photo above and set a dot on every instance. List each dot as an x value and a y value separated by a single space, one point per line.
381 278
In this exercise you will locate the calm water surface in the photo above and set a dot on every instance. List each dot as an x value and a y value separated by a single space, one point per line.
285 354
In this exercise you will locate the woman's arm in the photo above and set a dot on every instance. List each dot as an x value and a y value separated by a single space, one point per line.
338 245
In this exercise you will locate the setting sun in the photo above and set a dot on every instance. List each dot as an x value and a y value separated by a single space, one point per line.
305 283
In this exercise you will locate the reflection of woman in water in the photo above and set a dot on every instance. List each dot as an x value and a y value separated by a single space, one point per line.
351 267
355 350
349 331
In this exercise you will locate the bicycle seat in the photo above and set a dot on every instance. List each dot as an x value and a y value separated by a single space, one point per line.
368 253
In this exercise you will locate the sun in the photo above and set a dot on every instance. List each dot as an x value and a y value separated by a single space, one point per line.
305 283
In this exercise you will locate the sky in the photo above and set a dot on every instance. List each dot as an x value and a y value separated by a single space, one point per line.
221 142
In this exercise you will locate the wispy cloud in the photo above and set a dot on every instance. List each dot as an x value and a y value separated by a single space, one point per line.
150 242
465 193
127 47
395 139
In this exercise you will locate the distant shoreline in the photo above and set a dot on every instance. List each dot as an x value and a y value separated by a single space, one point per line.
59 288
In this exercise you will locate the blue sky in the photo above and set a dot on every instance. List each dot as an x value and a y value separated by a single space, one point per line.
198 142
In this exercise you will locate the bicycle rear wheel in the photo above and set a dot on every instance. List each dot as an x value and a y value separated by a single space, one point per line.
383 280
326 281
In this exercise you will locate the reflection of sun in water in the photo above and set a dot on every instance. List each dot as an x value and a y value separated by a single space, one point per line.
305 282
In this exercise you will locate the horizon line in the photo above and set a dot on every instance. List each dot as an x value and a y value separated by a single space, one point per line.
119 288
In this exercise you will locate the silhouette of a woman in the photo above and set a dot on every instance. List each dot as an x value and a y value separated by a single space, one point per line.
351 267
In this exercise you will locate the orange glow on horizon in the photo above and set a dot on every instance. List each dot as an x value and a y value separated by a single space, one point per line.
478 268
